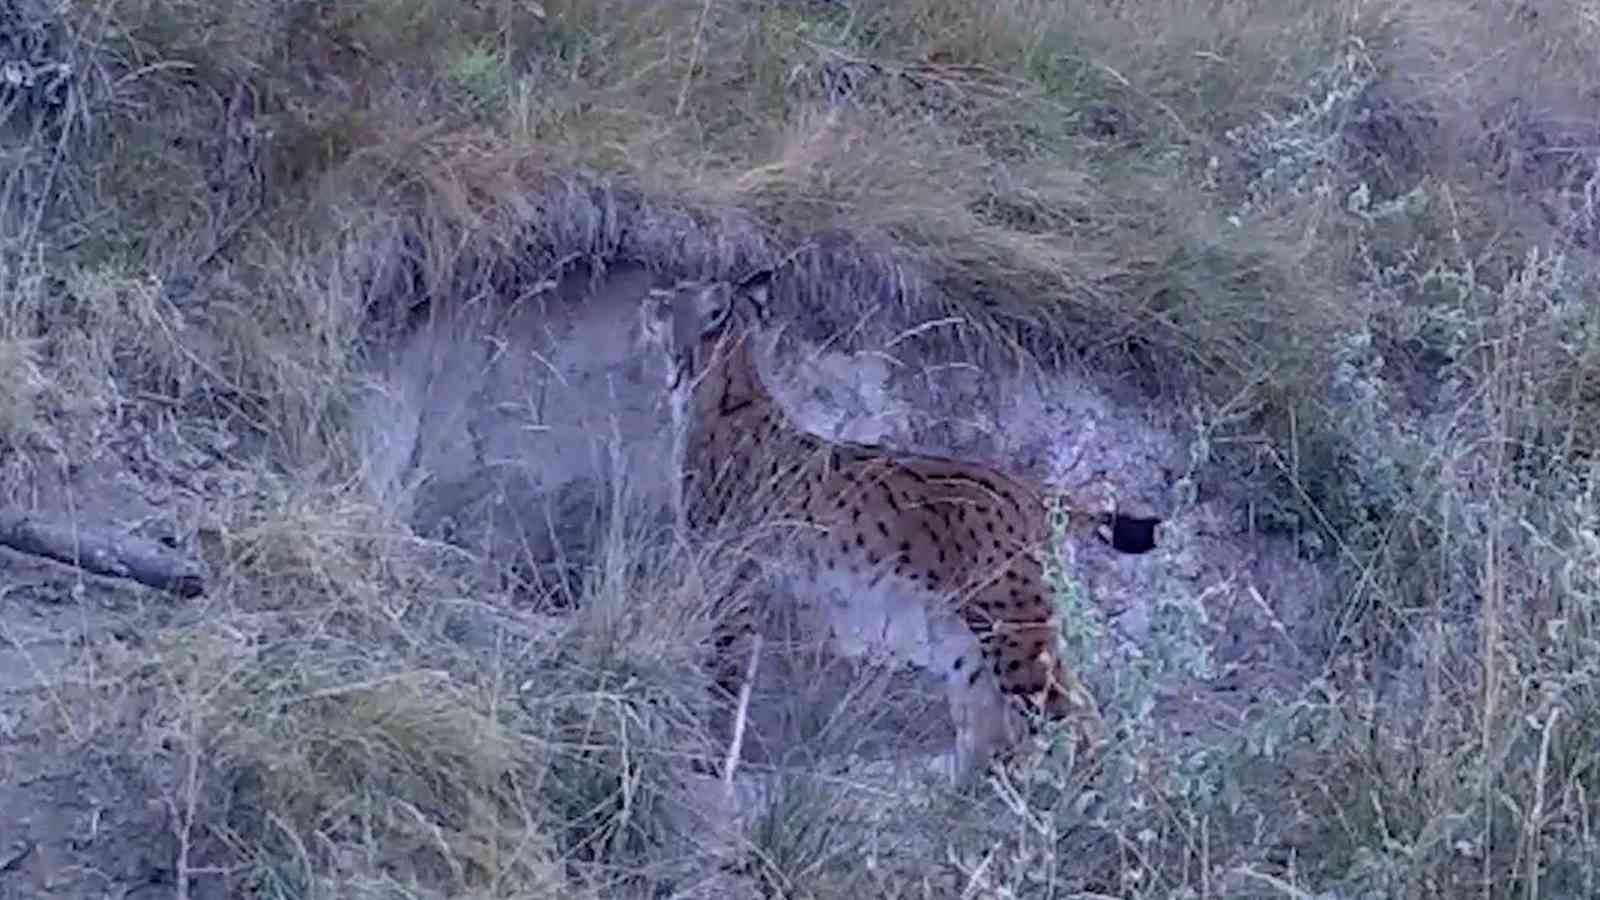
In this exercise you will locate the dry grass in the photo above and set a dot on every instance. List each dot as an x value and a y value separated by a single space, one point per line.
1357 241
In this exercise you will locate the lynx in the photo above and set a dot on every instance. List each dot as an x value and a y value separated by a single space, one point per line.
939 562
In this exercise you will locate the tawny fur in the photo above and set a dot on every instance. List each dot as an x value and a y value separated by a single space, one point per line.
947 554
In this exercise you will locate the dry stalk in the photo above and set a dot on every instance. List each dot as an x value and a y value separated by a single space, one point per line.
736 745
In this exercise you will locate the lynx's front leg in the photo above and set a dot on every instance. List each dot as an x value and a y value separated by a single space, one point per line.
982 723
734 656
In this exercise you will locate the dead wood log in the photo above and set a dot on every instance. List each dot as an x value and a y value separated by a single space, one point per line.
102 551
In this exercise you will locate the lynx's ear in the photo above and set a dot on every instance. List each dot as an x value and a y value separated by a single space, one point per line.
658 331
655 319
755 288
706 313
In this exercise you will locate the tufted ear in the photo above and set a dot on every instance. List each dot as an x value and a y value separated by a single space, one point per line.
656 318
755 288
705 314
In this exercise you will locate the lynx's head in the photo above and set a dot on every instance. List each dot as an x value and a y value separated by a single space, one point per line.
699 325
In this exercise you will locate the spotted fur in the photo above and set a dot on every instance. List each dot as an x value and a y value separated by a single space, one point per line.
944 559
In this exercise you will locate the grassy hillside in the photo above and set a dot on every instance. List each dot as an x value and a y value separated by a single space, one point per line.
1354 242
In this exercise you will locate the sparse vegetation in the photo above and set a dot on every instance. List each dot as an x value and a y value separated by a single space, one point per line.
1355 245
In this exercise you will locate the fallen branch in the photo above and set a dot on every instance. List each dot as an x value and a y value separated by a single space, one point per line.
103 552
